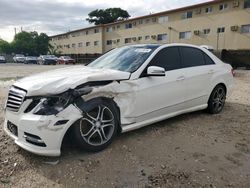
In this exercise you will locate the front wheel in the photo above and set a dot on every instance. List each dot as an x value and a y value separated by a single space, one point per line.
97 128
217 100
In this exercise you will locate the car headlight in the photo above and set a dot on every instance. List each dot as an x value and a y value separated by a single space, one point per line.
52 104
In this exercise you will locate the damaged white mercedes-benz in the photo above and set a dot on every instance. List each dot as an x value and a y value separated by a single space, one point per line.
125 89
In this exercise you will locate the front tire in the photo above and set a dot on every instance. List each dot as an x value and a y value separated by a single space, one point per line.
217 100
97 128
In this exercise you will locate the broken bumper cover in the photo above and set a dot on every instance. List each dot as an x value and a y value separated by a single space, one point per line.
41 135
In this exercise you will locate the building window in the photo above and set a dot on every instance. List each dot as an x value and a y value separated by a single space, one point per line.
209 10
87 32
96 43
147 20
128 40
147 37
162 37
245 29
109 42
80 44
96 30
187 15
140 21
206 31
223 6
221 30
87 43
154 19
118 26
140 38
118 40
247 4
109 29
163 19
128 25
185 35
73 45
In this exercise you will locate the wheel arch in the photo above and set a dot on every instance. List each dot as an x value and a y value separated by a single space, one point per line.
219 83
86 107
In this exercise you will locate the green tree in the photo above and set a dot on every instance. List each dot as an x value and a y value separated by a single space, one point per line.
4 47
30 43
105 16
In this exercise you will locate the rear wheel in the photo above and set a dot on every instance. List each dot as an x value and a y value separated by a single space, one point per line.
97 128
217 100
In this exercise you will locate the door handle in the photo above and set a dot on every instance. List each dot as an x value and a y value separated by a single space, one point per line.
180 78
211 71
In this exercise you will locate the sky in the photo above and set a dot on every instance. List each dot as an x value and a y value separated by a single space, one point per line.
59 16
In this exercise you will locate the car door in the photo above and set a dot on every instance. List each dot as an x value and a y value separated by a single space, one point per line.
199 69
160 95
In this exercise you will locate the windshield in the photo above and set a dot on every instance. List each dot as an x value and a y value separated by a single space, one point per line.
128 58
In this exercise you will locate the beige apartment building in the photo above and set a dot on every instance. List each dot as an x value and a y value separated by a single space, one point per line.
222 24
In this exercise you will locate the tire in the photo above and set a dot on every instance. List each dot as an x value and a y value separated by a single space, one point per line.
97 129
217 100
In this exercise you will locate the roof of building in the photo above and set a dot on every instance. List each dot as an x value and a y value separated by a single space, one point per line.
146 16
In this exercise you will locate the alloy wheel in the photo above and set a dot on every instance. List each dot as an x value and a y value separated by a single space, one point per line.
219 98
97 126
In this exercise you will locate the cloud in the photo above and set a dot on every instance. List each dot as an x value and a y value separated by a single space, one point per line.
58 16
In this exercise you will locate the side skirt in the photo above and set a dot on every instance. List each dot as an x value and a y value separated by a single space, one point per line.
130 127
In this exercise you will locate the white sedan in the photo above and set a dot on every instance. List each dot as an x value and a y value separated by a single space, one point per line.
125 89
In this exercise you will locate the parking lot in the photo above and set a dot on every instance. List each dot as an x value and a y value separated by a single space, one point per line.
191 150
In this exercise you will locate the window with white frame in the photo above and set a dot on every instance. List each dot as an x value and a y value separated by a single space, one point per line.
80 44
206 31
109 29
140 22
163 19
223 6
73 45
127 40
128 25
96 30
209 10
245 28
162 37
147 37
109 42
185 35
96 43
221 30
87 43
187 15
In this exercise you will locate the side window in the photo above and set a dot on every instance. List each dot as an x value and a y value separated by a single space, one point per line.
192 57
208 60
168 58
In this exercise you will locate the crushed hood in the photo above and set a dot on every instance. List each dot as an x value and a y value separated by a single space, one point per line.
60 80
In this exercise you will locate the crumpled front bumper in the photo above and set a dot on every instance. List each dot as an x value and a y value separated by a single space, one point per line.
43 127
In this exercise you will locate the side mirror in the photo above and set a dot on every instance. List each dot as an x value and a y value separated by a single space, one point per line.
155 71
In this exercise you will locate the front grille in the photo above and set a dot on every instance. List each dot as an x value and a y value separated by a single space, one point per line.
15 99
